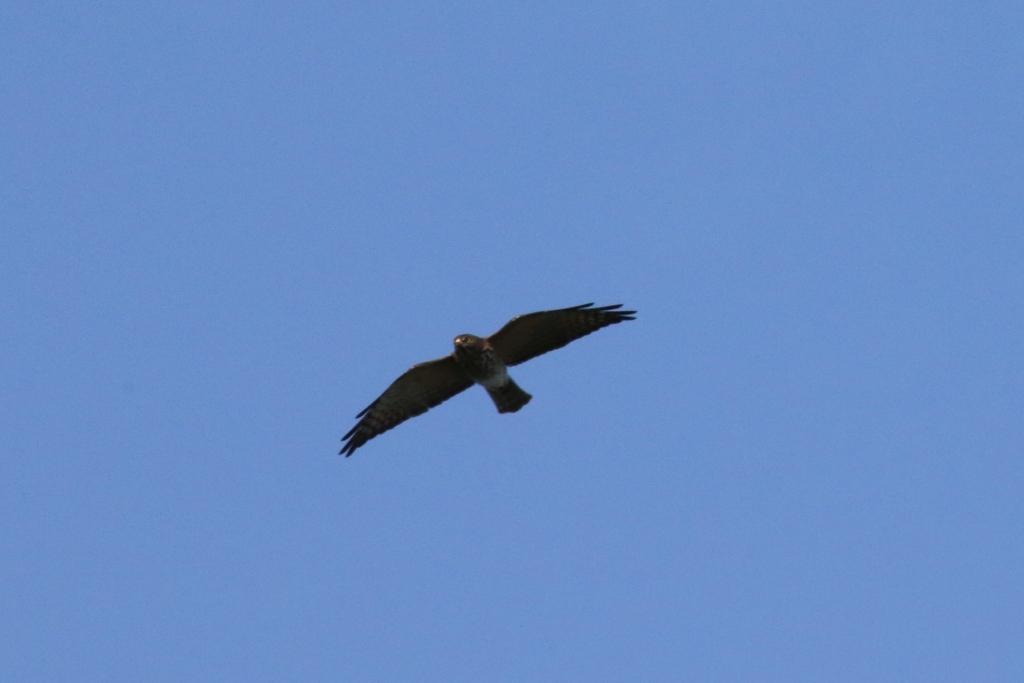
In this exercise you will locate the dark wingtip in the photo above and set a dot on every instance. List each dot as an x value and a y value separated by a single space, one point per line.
618 315
613 307
349 445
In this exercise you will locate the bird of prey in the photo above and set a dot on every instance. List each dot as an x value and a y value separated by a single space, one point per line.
484 361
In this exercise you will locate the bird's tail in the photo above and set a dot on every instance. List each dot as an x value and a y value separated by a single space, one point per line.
509 398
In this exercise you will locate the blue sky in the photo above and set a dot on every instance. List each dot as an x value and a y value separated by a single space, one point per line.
226 227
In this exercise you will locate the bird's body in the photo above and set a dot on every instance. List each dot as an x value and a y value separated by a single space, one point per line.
477 357
483 361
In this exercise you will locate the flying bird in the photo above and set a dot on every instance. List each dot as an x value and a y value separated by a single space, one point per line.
480 360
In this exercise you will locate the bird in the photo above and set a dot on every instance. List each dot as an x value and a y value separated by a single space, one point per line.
480 360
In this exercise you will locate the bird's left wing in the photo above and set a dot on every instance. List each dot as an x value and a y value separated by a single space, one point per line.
418 390
531 335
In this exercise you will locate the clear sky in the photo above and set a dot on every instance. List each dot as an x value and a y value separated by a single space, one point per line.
226 227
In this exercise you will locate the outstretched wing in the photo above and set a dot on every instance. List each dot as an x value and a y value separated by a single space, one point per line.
528 336
418 390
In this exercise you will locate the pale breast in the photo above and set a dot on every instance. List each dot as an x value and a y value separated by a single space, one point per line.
484 366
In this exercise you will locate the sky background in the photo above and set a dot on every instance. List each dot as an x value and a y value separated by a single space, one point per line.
226 227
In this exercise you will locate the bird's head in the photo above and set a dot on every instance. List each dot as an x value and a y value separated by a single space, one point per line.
468 343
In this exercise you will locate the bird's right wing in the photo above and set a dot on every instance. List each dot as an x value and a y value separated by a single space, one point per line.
418 390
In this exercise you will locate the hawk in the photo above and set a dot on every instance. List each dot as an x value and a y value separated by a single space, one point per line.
484 361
